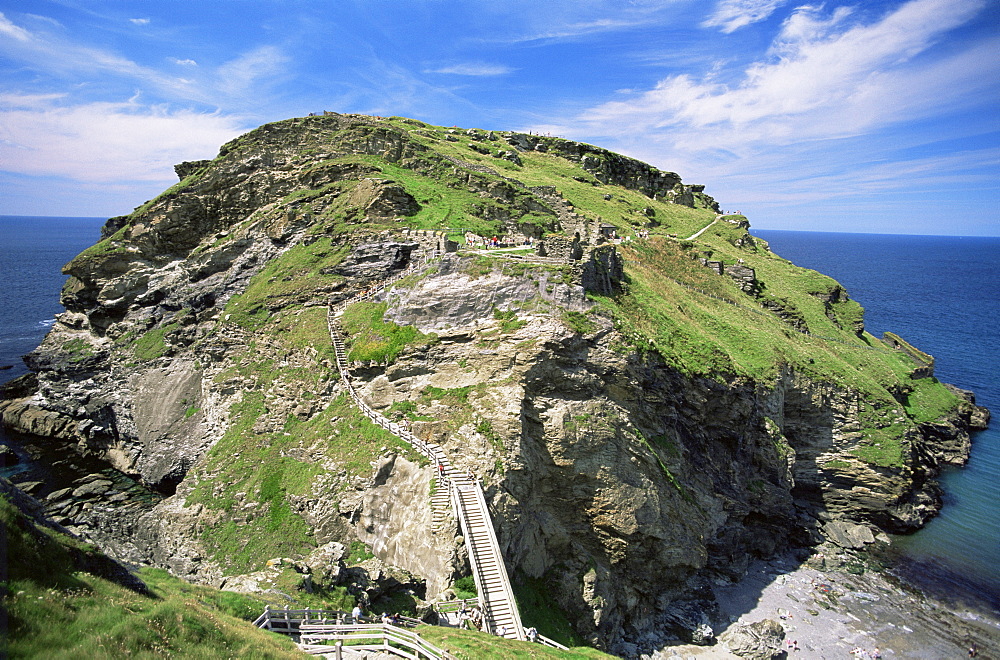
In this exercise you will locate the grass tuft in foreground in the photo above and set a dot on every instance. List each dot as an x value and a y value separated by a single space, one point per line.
64 599
473 645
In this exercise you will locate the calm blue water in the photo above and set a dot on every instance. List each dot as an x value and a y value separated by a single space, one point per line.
32 252
941 293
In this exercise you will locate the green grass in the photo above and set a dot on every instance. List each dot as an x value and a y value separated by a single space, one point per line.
534 602
79 349
372 338
474 645
579 322
153 343
296 277
465 587
508 321
358 553
930 400
60 603
457 396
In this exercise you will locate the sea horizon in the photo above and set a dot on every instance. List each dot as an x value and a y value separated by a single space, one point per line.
753 227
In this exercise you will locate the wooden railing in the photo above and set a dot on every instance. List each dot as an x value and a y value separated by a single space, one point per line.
315 639
307 622
450 606
288 621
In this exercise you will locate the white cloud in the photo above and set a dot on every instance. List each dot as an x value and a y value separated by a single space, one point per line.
826 80
105 142
473 69
139 21
243 75
13 31
731 15
185 62
823 116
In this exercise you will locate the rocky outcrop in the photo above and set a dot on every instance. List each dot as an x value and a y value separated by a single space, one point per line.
611 168
760 640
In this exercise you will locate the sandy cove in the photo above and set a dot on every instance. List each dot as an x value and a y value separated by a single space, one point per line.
830 611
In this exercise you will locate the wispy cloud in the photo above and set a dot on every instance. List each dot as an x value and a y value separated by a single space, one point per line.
15 32
139 21
827 79
472 69
800 120
224 86
51 52
105 142
530 22
731 15
574 30
245 73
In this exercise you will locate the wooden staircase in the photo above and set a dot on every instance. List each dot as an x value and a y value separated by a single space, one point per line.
488 569
455 492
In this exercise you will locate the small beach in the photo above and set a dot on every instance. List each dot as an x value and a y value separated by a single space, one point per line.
828 612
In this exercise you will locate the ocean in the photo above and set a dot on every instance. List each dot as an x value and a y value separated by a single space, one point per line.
940 293
32 252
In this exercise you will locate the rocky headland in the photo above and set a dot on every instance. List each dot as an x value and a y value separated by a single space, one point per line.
653 399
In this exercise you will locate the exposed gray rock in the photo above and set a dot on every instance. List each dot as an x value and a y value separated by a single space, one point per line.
30 487
92 488
57 495
760 640
848 535
745 277
395 521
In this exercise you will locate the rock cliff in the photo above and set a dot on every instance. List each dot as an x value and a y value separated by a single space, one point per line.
642 424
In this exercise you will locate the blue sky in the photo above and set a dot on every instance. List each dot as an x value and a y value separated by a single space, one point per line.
865 116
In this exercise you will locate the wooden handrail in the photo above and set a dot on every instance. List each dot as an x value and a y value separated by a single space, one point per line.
356 635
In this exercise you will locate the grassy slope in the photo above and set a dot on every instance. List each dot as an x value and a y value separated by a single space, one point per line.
58 607
472 645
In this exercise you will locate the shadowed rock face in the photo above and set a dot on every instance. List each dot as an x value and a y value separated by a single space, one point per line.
193 356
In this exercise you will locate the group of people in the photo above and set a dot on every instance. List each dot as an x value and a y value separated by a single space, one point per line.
475 241
864 654
470 620
357 616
